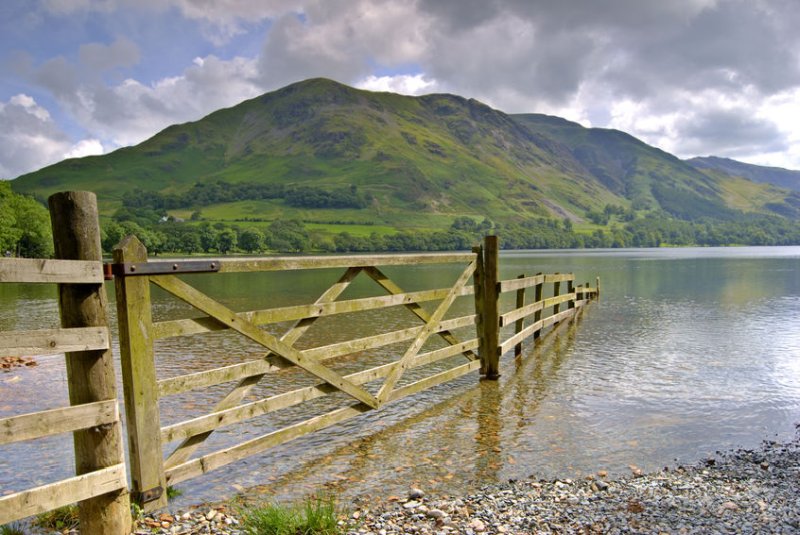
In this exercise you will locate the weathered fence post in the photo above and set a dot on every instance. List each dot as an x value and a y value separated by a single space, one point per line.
490 353
520 322
597 285
139 378
90 374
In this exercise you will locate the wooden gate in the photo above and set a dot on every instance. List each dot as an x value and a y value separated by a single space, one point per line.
151 472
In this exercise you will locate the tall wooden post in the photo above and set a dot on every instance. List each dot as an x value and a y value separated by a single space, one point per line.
520 324
90 374
490 358
597 282
135 320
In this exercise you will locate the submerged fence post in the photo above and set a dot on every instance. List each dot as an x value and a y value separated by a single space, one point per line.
490 352
520 322
537 298
90 374
571 290
134 317
480 279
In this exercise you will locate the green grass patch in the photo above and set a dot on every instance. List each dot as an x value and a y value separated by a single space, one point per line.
355 230
315 516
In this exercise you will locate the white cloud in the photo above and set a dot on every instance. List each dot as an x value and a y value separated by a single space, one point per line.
85 147
131 111
405 84
29 139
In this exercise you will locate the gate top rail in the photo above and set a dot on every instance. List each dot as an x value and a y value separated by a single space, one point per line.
281 263
44 270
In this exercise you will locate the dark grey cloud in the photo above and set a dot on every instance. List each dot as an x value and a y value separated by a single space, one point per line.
729 132
99 57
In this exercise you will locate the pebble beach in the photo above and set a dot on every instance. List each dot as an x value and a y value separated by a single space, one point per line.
742 491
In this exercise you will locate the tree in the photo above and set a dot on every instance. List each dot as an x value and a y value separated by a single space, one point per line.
251 240
208 237
190 242
227 240
289 236
24 225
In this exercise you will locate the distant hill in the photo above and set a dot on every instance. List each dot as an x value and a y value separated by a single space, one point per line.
651 178
777 176
323 152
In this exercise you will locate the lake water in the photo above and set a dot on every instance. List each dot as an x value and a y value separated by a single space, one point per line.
687 352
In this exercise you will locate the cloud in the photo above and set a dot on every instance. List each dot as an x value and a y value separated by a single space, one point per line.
726 132
85 147
131 111
99 57
30 139
221 19
405 84
342 39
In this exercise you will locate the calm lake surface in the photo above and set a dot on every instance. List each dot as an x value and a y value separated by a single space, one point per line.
688 351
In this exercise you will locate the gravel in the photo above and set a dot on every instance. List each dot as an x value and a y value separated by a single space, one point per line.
744 491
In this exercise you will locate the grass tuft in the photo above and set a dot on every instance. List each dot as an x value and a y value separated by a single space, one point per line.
63 518
173 492
316 516
12 529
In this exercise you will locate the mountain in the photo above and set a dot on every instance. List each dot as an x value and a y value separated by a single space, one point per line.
409 162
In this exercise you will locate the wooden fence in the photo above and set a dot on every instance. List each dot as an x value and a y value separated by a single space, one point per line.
93 415
464 343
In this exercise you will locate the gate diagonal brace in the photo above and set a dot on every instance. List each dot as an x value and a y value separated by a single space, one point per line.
430 326
390 286
184 450
228 317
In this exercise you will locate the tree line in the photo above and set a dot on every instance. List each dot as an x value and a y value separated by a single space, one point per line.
205 194
291 236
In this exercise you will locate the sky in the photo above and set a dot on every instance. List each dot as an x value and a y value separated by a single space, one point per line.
692 77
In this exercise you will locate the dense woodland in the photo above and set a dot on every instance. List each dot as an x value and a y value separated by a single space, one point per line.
654 230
